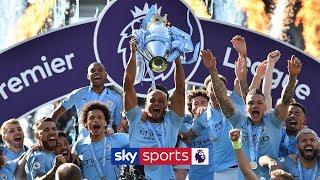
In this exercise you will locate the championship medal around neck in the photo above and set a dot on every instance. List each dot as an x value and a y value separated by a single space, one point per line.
254 165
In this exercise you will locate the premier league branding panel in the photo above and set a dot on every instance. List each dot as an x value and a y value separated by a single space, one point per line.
160 156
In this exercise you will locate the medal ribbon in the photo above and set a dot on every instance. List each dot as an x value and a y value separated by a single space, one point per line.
254 148
96 162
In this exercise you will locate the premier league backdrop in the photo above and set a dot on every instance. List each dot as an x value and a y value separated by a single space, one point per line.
49 66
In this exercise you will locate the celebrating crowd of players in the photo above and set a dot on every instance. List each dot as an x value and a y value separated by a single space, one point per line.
247 138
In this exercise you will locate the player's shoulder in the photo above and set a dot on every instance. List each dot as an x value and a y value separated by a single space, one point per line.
114 92
120 139
81 142
37 156
119 136
80 90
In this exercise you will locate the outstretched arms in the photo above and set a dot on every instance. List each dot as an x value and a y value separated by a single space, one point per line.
177 99
130 95
239 44
58 113
218 86
242 159
259 75
272 59
240 84
241 72
294 68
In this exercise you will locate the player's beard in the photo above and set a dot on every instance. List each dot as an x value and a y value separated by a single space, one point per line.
308 157
49 145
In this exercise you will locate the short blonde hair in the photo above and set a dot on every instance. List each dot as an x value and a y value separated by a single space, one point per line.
6 123
306 131
38 122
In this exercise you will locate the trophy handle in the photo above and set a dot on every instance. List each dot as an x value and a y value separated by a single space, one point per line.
195 55
173 55
143 55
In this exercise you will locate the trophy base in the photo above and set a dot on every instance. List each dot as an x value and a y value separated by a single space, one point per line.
158 64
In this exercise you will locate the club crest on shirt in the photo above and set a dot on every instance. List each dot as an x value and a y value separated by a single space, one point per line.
109 103
36 165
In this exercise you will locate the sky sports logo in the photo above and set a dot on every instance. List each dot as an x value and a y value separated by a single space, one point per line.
160 156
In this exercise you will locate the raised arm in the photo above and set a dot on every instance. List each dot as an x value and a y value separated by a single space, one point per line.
177 99
294 68
272 59
241 72
242 159
258 75
219 88
58 112
130 95
239 44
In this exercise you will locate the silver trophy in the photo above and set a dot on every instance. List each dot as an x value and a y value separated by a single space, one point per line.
160 44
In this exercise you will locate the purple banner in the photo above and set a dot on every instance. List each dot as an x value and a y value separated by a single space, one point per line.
52 65
44 68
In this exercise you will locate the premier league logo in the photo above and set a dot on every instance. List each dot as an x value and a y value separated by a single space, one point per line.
114 30
200 156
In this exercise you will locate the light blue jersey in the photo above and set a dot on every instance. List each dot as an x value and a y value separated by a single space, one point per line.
7 172
205 172
213 130
238 102
38 164
80 97
147 134
298 171
94 163
11 155
288 144
269 140
214 120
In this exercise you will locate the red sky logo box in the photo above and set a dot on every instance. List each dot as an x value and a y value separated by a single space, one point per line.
160 156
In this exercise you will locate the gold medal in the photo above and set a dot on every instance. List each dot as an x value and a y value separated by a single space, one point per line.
253 165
